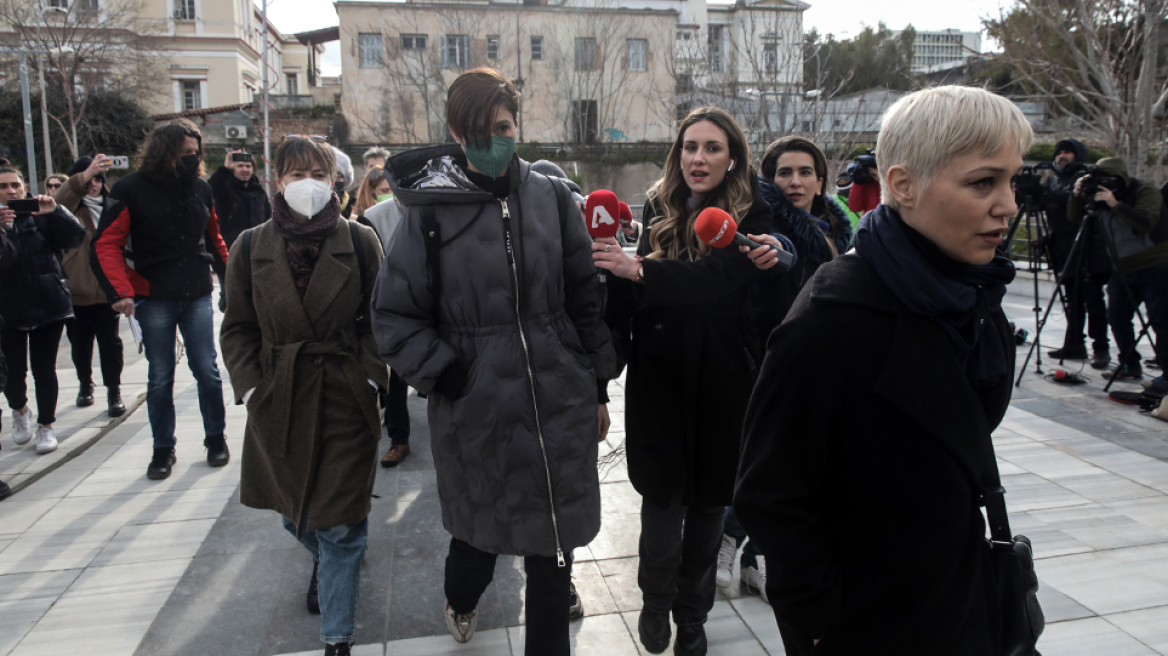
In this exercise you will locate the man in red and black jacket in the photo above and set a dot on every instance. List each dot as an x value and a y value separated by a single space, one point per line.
152 253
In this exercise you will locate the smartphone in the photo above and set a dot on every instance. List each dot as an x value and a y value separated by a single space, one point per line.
118 162
24 205
242 157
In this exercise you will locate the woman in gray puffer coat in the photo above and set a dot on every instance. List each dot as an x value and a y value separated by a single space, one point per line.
489 303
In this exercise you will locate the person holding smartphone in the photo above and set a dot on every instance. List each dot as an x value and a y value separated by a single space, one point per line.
239 197
35 302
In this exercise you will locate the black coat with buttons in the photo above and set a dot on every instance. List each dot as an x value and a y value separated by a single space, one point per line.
692 360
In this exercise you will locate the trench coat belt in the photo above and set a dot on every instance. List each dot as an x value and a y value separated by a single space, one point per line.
284 387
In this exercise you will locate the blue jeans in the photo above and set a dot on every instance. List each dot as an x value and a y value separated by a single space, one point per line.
1150 286
159 318
339 550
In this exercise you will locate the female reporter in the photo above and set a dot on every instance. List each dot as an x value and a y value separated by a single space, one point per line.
691 366
297 341
489 303
866 501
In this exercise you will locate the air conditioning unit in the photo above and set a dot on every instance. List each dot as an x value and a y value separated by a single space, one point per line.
236 131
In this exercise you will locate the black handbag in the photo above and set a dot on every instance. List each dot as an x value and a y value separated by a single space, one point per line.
1012 558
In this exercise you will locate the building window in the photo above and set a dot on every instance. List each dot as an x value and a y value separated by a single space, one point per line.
192 96
537 47
770 57
684 84
87 5
455 50
370 50
413 41
716 49
184 9
293 84
59 4
637 54
585 53
492 46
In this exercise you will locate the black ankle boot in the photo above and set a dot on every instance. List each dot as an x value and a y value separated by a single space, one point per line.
85 395
653 629
217 453
339 649
161 464
691 640
116 407
313 598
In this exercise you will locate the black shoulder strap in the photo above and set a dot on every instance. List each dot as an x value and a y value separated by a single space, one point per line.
359 249
432 237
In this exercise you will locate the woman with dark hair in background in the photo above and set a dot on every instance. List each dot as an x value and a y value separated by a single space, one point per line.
35 303
84 193
691 366
372 190
793 181
489 303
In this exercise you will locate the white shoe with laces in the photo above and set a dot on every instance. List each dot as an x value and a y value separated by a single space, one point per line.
46 441
21 431
755 578
462 627
725 573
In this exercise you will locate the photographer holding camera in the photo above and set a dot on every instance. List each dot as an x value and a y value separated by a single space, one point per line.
1085 301
1127 210
239 198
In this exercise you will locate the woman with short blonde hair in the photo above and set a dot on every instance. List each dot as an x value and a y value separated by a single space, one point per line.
867 499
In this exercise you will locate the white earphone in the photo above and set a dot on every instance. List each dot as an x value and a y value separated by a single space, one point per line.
731 166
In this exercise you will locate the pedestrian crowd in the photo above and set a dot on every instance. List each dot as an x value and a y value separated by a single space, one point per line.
470 275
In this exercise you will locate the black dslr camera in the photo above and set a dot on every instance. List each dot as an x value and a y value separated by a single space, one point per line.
861 174
1093 181
1028 189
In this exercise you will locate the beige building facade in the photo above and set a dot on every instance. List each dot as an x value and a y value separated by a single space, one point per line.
589 74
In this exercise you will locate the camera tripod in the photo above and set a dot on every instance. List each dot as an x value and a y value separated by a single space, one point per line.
1037 232
1081 245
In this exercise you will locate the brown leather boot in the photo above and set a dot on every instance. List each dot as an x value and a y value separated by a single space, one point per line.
395 455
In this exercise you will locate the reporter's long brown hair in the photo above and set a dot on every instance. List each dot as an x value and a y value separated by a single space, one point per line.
673 234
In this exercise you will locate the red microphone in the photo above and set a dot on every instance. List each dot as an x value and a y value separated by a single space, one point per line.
626 214
717 228
602 213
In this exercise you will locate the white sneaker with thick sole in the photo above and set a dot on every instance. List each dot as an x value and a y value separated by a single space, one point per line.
21 428
725 574
755 578
462 627
46 441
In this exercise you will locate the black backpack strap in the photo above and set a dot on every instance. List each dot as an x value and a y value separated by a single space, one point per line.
432 237
359 249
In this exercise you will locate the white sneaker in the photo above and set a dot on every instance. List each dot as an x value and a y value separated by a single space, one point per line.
726 553
755 578
462 627
46 441
21 433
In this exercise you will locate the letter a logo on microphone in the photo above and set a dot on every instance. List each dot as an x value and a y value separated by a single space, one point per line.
600 216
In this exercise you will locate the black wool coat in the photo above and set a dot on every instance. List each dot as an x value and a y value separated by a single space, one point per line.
692 360
239 205
862 490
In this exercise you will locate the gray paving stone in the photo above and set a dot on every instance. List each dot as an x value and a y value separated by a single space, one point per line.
1096 424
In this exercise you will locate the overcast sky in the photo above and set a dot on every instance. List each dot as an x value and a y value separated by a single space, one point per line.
844 18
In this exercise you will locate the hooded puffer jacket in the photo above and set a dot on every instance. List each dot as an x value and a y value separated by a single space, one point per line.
508 351
33 291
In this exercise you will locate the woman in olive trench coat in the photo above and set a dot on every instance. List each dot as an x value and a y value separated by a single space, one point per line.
306 365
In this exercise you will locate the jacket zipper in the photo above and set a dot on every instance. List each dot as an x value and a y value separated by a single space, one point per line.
531 379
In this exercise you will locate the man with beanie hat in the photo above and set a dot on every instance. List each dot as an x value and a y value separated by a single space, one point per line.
1085 303
84 193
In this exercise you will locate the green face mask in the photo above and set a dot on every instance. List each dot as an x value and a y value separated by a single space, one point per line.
494 159
381 198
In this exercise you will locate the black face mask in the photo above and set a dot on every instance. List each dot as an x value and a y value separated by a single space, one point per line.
339 187
187 166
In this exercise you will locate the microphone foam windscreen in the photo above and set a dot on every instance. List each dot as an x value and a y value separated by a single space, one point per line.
602 213
715 227
626 215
